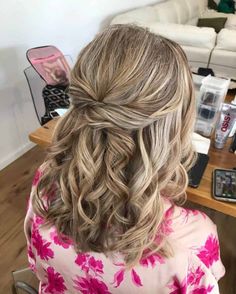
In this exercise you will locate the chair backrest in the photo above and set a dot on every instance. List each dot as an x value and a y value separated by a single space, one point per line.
36 85
50 64
25 281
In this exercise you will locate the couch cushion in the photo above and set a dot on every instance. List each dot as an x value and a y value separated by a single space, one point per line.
224 63
166 12
183 12
217 23
185 34
141 15
226 40
231 22
197 55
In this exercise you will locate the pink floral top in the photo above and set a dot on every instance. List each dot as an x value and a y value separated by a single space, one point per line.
195 267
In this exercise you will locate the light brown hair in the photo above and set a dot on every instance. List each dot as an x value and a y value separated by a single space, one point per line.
124 143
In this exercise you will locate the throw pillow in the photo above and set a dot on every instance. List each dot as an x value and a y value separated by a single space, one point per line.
226 6
212 4
215 23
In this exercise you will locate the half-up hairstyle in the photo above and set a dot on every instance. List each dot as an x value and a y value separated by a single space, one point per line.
124 143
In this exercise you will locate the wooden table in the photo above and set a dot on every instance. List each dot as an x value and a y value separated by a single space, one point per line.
202 195
43 135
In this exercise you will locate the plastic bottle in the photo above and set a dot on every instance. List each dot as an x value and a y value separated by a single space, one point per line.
233 130
224 125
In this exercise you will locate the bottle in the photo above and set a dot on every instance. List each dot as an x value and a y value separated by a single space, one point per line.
233 130
224 125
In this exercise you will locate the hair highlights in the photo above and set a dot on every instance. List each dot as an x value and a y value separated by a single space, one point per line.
125 141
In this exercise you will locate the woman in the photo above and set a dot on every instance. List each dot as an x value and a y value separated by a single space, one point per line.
102 216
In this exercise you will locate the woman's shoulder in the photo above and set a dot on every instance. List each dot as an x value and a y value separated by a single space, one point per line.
189 227
193 231
193 225
189 224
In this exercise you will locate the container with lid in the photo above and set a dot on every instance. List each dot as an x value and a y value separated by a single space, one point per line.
212 93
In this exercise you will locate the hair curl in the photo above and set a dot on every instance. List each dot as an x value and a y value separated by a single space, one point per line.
124 143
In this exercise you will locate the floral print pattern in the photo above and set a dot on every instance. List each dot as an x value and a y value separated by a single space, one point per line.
36 178
209 252
42 246
61 240
89 264
151 260
55 282
195 277
118 278
178 287
62 271
192 283
188 213
166 226
120 274
31 258
90 285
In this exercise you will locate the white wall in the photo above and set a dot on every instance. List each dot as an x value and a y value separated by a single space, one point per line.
67 24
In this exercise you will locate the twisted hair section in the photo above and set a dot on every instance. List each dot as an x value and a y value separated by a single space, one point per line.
124 143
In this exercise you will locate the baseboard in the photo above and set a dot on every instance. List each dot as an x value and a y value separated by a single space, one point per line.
13 156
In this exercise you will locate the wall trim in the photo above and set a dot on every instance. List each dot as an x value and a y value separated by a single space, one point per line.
14 155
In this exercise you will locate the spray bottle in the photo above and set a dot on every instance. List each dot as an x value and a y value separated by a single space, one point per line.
233 130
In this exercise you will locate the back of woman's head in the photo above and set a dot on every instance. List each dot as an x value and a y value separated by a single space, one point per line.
124 143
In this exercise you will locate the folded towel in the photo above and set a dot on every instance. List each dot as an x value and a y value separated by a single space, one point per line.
200 143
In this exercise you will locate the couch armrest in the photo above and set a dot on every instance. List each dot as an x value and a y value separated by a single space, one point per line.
185 34
226 40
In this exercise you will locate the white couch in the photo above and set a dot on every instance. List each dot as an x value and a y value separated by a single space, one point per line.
177 20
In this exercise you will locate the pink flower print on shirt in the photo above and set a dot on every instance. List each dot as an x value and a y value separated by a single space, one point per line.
195 276
55 284
89 264
209 253
81 261
190 284
30 253
166 225
90 285
41 246
32 259
151 259
191 212
37 177
118 278
61 240
38 220
81 258
95 265
177 287
136 278
203 290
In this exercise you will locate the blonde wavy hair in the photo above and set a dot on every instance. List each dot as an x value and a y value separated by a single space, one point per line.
123 146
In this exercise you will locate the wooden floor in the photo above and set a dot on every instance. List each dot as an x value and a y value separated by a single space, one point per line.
15 183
